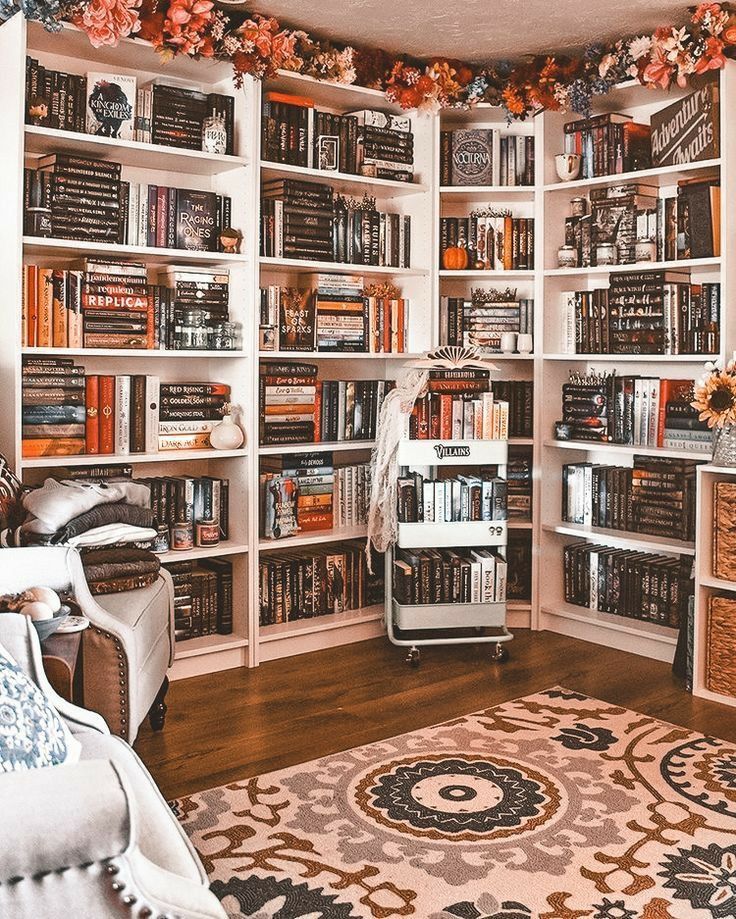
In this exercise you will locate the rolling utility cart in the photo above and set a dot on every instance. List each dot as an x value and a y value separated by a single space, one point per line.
411 626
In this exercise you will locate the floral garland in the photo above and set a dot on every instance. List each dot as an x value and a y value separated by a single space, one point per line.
259 46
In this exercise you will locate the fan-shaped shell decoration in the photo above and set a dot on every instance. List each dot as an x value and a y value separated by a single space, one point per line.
455 357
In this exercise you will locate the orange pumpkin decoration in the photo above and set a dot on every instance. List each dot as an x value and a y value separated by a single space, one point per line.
455 258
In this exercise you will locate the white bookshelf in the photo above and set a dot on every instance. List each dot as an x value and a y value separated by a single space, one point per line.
423 283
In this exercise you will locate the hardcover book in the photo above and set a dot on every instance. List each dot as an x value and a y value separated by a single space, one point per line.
472 157
111 101
297 319
196 220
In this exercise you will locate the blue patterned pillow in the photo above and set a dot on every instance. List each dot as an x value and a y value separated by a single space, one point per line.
31 732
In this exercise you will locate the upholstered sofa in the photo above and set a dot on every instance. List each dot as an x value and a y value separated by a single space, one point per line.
94 838
129 645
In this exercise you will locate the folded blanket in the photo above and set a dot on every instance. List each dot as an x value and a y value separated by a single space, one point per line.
55 503
113 533
120 585
105 564
102 515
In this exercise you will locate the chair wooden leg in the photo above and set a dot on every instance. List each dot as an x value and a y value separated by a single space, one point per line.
157 713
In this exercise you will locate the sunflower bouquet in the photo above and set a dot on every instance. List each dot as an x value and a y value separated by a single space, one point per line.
715 396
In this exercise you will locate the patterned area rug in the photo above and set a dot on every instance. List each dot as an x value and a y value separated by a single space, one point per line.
554 806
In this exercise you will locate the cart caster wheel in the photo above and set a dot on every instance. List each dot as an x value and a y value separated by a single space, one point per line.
500 654
413 657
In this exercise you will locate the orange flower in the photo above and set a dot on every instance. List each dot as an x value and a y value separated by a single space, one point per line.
713 59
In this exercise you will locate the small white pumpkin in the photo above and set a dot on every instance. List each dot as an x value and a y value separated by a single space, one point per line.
46 595
37 610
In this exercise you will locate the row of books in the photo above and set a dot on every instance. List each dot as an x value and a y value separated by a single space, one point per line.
485 156
339 314
67 412
203 597
442 416
305 220
449 576
458 499
682 226
319 581
608 144
296 407
479 322
110 304
114 105
306 492
628 583
366 142
493 241
89 201
643 411
656 496
190 500
647 312
519 484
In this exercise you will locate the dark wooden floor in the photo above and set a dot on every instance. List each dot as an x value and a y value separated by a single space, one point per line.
244 722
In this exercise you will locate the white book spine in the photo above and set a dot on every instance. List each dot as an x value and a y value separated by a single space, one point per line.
122 415
501 577
152 414
567 326
428 488
476 582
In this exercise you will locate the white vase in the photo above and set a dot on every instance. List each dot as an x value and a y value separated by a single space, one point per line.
524 344
226 435
567 166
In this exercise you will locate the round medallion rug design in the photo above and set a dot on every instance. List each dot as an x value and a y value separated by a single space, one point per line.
457 797
704 772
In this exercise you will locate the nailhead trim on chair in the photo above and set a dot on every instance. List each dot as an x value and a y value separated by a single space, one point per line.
123 671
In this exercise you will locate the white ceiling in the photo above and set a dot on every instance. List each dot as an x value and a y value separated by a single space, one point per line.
474 30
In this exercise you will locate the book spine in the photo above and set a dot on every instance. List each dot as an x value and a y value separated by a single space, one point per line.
122 415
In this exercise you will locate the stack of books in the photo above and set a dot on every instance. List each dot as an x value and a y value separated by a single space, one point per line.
118 306
352 494
86 197
173 116
53 407
449 576
479 322
609 144
483 156
190 499
204 288
318 582
297 494
365 142
342 319
656 496
52 308
493 241
628 583
175 218
203 597
366 236
287 402
349 409
296 219
188 412
643 411
519 485
647 312
459 499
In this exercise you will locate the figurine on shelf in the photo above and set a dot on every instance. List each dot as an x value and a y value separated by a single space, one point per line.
226 434
230 240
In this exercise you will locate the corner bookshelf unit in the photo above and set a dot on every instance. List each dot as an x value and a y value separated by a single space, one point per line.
423 283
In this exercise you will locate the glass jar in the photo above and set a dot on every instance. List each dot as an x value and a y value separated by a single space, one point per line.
578 207
645 250
606 254
567 257
193 333
223 336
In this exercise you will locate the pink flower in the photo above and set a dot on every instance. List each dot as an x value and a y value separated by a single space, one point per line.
107 21
713 58
659 71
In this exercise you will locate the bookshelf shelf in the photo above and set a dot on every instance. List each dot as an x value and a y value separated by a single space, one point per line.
465 193
622 539
318 537
342 96
165 456
74 248
610 623
43 141
634 358
132 353
307 626
208 644
629 449
336 447
662 175
295 264
518 524
681 264
474 275
338 356
717 583
384 188
228 547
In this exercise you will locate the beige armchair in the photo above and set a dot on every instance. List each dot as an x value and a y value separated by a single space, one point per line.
94 838
129 645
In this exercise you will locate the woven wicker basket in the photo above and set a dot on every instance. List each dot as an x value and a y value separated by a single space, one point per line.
724 530
720 667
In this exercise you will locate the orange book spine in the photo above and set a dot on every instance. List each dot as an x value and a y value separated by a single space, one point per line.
508 243
32 330
445 417
44 337
318 411
59 334
92 419
53 446
402 326
106 414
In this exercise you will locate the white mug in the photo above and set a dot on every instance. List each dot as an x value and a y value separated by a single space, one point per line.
568 166
508 342
524 344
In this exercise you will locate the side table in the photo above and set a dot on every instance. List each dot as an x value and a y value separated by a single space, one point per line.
62 661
